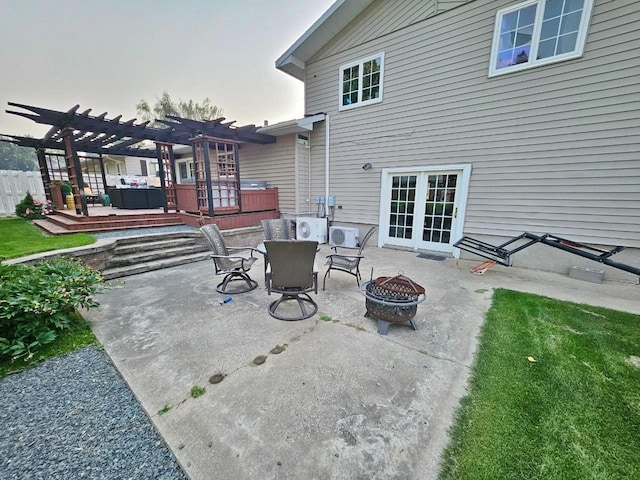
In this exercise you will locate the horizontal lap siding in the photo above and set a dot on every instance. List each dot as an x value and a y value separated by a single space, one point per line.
554 148
380 18
273 163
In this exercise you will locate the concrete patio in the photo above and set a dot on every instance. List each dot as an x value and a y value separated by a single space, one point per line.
340 401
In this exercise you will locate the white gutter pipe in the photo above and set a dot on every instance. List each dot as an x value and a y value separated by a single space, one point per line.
326 165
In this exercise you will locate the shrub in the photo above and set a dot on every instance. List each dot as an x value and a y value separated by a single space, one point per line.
65 188
38 302
32 209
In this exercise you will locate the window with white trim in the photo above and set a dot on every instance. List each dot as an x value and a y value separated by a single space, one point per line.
361 82
539 32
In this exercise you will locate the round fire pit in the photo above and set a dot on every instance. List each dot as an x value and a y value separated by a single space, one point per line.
392 300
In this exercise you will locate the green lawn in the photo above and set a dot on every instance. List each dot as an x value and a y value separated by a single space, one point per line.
18 237
554 394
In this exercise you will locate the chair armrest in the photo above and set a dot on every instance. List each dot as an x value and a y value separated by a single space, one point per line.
238 249
350 257
232 257
335 248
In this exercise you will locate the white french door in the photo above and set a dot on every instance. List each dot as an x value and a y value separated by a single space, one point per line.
424 208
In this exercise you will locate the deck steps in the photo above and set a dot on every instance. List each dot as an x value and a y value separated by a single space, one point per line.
64 223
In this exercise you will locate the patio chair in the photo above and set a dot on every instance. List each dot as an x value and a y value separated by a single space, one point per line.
277 229
292 272
233 267
347 263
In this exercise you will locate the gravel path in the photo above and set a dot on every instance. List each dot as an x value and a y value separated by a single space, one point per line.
74 417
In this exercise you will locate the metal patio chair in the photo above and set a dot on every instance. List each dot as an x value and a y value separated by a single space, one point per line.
277 229
234 267
345 262
292 273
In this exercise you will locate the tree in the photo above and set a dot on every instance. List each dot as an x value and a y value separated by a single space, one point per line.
165 105
13 157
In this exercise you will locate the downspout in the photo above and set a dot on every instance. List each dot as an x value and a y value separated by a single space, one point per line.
309 176
296 175
326 165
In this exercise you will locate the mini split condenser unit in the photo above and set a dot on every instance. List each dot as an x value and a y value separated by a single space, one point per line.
311 228
343 237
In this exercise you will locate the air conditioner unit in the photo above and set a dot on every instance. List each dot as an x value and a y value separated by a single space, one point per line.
343 237
311 228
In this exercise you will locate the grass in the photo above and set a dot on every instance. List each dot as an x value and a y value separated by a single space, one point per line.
79 335
18 237
572 411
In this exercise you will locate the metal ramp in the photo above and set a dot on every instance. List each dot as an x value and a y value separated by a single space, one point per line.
502 253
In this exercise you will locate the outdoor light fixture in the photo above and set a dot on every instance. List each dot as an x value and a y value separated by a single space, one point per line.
366 166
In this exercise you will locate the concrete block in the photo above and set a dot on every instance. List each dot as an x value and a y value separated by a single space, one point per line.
586 274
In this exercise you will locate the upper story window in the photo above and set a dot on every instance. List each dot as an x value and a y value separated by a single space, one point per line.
361 82
539 32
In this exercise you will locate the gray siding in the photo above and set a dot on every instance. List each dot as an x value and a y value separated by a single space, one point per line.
553 149
273 163
384 17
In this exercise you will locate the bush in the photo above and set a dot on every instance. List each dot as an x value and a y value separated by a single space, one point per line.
38 302
65 188
32 209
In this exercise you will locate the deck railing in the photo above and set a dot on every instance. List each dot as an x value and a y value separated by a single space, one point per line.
251 200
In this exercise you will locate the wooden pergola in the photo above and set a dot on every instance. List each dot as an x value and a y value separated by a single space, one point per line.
74 131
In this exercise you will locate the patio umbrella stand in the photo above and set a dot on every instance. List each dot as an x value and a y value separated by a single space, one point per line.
392 300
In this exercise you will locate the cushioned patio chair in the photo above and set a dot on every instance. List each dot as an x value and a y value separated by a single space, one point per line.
234 267
292 273
344 262
277 229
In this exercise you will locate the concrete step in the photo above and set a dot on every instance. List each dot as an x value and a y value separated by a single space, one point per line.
151 245
156 254
156 237
119 272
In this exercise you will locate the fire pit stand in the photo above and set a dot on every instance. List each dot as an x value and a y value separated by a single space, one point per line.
392 300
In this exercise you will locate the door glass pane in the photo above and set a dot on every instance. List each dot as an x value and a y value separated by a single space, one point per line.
403 193
439 208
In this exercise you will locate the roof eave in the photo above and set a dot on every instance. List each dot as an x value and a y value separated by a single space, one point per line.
339 15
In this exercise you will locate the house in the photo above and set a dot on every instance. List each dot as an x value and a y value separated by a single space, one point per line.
444 119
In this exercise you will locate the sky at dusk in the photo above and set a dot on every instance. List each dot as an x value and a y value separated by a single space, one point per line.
108 55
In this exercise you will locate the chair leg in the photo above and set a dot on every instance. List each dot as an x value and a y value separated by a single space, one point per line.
324 280
303 300
250 284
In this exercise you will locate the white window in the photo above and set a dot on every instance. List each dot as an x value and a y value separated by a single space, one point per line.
187 172
361 82
539 32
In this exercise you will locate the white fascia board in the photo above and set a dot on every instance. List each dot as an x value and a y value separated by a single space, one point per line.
339 15
307 122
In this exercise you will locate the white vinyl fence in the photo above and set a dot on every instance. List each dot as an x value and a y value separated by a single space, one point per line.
14 185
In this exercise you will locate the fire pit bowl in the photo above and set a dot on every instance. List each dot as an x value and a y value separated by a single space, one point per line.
392 300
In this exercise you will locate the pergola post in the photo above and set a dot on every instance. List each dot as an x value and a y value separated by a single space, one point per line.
202 160
164 153
236 157
75 172
44 173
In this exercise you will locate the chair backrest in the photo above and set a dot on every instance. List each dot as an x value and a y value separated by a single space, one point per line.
291 263
366 238
277 229
213 234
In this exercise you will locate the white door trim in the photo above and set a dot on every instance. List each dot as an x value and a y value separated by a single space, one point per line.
462 193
